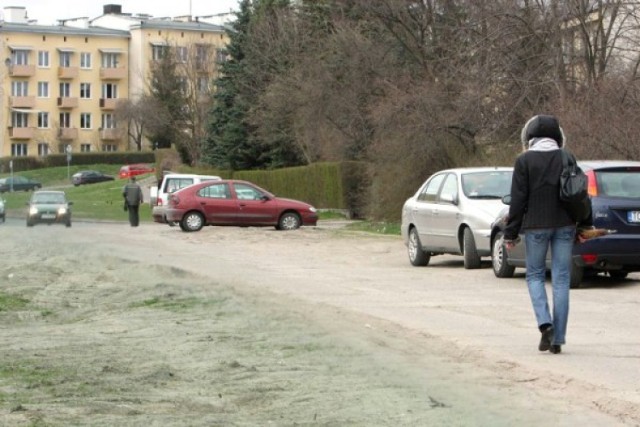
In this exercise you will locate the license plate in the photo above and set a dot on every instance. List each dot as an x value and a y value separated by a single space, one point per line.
633 216
48 216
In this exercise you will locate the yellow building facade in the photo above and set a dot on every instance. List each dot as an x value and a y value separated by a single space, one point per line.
61 84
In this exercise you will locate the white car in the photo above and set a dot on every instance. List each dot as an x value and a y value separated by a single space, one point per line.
170 183
452 212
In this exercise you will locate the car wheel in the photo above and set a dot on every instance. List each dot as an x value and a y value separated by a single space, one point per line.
577 274
289 221
29 223
471 257
192 221
499 261
618 274
68 224
417 256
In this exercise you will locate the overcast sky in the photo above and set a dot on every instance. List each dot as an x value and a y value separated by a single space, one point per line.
47 12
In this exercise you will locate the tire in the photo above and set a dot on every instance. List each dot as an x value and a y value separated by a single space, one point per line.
68 224
469 250
577 274
499 260
618 274
417 256
192 221
289 221
29 223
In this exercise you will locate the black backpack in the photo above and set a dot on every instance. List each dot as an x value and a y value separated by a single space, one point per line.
574 195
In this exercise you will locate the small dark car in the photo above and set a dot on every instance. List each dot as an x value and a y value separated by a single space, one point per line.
18 183
49 207
89 177
235 203
614 188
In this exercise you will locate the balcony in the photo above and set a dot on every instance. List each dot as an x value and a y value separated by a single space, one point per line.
110 134
21 133
23 101
67 134
117 73
67 102
67 72
108 103
22 70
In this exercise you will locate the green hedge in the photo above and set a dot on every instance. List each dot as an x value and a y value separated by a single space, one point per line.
53 160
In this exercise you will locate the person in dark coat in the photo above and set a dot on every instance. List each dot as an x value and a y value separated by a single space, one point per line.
132 194
536 210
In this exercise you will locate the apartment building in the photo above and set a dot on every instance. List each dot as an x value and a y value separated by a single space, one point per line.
60 85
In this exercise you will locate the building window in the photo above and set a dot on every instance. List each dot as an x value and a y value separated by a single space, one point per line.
43 120
85 90
85 60
108 121
109 147
65 120
20 57
109 90
65 90
158 51
85 121
43 89
65 59
181 54
43 59
85 148
19 88
19 120
110 60
203 85
43 149
18 150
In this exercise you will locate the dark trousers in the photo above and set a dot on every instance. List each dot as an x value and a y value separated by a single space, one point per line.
134 218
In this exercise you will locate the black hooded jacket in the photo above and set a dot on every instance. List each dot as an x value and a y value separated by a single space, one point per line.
535 189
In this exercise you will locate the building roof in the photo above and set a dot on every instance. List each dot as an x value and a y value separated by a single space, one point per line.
61 29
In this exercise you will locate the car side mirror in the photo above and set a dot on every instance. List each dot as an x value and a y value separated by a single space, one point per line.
265 198
69 203
449 198
506 199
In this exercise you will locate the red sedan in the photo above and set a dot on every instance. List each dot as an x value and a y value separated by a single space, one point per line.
127 171
238 203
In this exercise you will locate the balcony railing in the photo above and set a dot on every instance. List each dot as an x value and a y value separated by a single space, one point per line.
108 103
67 134
110 134
21 133
22 70
23 101
67 102
116 73
67 72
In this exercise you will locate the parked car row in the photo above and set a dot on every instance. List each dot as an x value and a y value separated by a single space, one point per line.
462 212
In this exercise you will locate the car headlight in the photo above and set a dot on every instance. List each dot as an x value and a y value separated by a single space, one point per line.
312 209
62 210
33 210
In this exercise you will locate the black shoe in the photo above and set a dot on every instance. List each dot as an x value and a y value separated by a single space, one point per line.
545 340
555 349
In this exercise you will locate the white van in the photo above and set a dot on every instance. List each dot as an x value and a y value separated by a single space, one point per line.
172 182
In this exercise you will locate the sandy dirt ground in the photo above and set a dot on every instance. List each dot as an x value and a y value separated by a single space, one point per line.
107 325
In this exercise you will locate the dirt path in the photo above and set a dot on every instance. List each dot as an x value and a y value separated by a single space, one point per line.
109 325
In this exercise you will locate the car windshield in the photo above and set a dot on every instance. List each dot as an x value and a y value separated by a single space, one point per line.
486 185
617 183
48 198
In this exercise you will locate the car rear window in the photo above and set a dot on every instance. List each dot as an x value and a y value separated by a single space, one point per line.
618 183
486 185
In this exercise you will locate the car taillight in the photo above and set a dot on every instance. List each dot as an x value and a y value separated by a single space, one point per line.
592 187
589 258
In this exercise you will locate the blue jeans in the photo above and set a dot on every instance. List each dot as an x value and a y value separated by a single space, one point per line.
537 242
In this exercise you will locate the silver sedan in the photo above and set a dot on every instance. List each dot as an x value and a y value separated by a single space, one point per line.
452 212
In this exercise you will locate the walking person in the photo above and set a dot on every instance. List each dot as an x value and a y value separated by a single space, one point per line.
536 209
132 194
